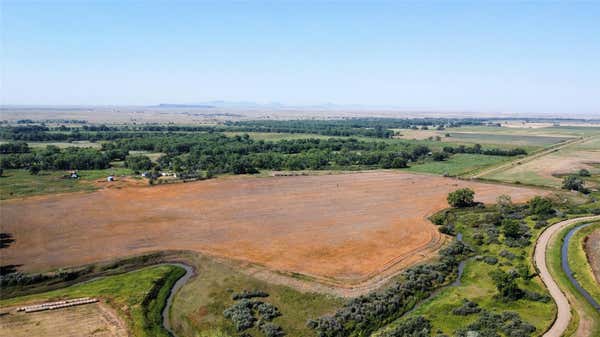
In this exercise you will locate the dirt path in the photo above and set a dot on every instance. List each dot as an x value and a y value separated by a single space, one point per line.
564 308
536 155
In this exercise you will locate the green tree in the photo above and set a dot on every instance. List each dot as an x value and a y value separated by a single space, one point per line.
584 173
440 156
540 206
506 283
573 183
464 197
138 162
511 228
399 163
504 203
34 170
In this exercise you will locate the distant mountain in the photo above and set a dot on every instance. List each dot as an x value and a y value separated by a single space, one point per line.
197 106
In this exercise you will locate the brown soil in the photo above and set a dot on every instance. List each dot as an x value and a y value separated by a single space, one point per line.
346 227
592 250
88 320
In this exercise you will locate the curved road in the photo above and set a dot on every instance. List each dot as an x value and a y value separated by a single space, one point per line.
564 308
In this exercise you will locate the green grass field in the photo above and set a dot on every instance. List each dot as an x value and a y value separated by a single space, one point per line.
560 131
547 170
458 164
579 264
553 258
477 286
496 138
125 293
20 183
198 307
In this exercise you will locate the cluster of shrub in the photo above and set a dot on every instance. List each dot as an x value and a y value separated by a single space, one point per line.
14 147
576 183
417 326
491 324
247 312
488 324
10 277
245 294
364 314
467 308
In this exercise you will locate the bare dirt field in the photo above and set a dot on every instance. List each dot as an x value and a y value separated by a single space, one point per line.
90 320
344 227
592 250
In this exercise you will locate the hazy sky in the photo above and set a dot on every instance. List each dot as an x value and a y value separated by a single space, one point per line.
476 56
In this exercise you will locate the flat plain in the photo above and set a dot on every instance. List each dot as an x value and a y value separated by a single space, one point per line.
548 170
345 227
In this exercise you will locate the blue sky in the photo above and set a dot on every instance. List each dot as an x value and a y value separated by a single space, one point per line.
477 56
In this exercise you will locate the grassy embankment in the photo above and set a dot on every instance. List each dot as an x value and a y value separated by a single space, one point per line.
198 308
477 285
576 300
138 296
579 263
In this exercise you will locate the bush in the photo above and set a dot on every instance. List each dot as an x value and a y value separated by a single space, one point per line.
540 224
464 197
241 314
574 183
540 206
271 330
584 173
399 163
491 260
411 327
467 308
507 255
438 218
249 294
489 324
440 156
506 283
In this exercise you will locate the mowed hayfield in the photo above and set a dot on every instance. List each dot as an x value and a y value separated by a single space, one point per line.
345 227
548 170
85 320
529 138
129 306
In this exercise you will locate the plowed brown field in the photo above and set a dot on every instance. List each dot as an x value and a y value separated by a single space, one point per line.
344 227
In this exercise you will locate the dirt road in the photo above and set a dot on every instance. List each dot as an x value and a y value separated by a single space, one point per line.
564 309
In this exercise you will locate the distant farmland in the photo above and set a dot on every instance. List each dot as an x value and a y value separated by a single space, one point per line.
495 138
